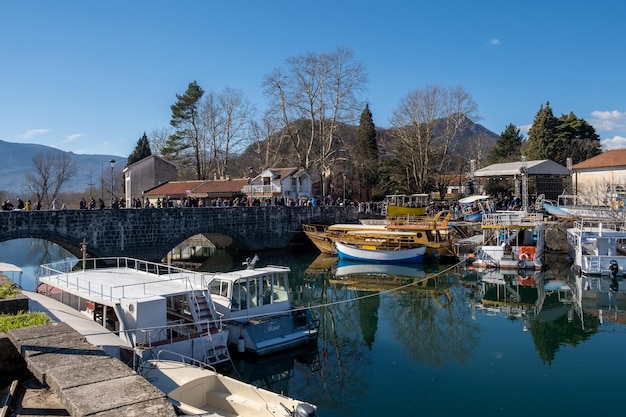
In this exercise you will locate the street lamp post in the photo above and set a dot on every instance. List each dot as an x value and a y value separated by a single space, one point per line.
112 162
344 189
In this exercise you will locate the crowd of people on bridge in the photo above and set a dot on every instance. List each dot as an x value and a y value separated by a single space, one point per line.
20 205
373 208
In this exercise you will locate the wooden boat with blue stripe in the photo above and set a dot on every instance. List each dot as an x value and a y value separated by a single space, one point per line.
379 252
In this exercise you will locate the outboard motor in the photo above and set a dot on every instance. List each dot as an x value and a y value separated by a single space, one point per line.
305 410
614 268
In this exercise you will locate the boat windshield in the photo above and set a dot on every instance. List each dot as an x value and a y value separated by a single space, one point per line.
254 291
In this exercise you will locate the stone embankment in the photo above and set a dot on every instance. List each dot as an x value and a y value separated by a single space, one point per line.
87 381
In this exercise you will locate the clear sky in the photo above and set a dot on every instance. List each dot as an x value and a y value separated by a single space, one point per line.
92 76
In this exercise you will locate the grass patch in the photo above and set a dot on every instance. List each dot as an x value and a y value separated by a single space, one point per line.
8 290
22 319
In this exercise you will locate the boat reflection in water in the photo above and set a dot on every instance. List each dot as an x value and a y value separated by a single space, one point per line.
274 372
522 294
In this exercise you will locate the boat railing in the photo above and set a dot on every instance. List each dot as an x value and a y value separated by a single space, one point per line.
511 218
184 359
61 274
599 225
440 220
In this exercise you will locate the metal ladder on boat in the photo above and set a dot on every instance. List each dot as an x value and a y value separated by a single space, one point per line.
215 347
198 303
214 342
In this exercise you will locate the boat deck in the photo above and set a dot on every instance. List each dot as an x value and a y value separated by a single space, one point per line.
110 284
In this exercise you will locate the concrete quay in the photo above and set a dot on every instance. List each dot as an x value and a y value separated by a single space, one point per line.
87 381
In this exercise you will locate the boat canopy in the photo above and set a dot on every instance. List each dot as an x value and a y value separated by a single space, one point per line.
473 198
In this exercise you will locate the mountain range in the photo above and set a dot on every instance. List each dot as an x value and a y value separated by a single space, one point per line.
18 160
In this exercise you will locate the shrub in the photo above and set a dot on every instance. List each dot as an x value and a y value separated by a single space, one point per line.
22 319
8 290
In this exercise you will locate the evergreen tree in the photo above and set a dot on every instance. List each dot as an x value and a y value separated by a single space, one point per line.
575 139
142 150
187 142
367 152
508 146
541 134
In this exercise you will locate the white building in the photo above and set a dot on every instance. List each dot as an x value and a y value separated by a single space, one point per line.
286 185
601 179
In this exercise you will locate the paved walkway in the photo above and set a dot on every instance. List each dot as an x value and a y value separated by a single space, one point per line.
87 381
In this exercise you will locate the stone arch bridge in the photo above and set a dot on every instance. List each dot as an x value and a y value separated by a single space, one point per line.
151 233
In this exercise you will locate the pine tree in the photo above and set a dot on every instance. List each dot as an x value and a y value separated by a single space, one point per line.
367 152
508 146
541 134
187 142
142 150
575 139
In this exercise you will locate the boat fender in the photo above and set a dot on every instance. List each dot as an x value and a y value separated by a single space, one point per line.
305 410
521 264
614 268
241 344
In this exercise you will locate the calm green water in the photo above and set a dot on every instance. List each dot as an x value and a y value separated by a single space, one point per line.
455 345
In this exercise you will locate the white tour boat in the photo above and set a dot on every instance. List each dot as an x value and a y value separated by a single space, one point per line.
148 306
257 309
597 247
197 389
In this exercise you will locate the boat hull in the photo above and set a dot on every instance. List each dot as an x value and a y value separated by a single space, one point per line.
196 390
354 253
267 335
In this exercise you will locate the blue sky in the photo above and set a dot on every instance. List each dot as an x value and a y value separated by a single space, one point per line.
92 76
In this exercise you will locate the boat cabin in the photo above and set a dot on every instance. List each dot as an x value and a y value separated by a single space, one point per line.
263 290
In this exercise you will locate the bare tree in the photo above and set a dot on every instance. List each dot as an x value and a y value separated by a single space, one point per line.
427 123
227 120
49 173
158 140
321 90
268 142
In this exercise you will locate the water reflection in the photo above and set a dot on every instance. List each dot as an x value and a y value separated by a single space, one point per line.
29 254
415 341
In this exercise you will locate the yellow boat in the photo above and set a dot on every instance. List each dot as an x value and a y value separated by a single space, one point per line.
405 204
429 231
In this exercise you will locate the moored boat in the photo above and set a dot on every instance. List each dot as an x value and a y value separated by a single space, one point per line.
405 204
148 306
197 389
576 207
257 309
430 231
379 252
597 247
511 240
474 207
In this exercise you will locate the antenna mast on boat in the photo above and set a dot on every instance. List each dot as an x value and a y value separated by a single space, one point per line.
524 172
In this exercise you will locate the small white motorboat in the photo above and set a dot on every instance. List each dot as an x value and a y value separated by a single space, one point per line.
200 390
257 309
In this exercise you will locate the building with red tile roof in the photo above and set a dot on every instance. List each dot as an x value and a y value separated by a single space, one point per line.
602 179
